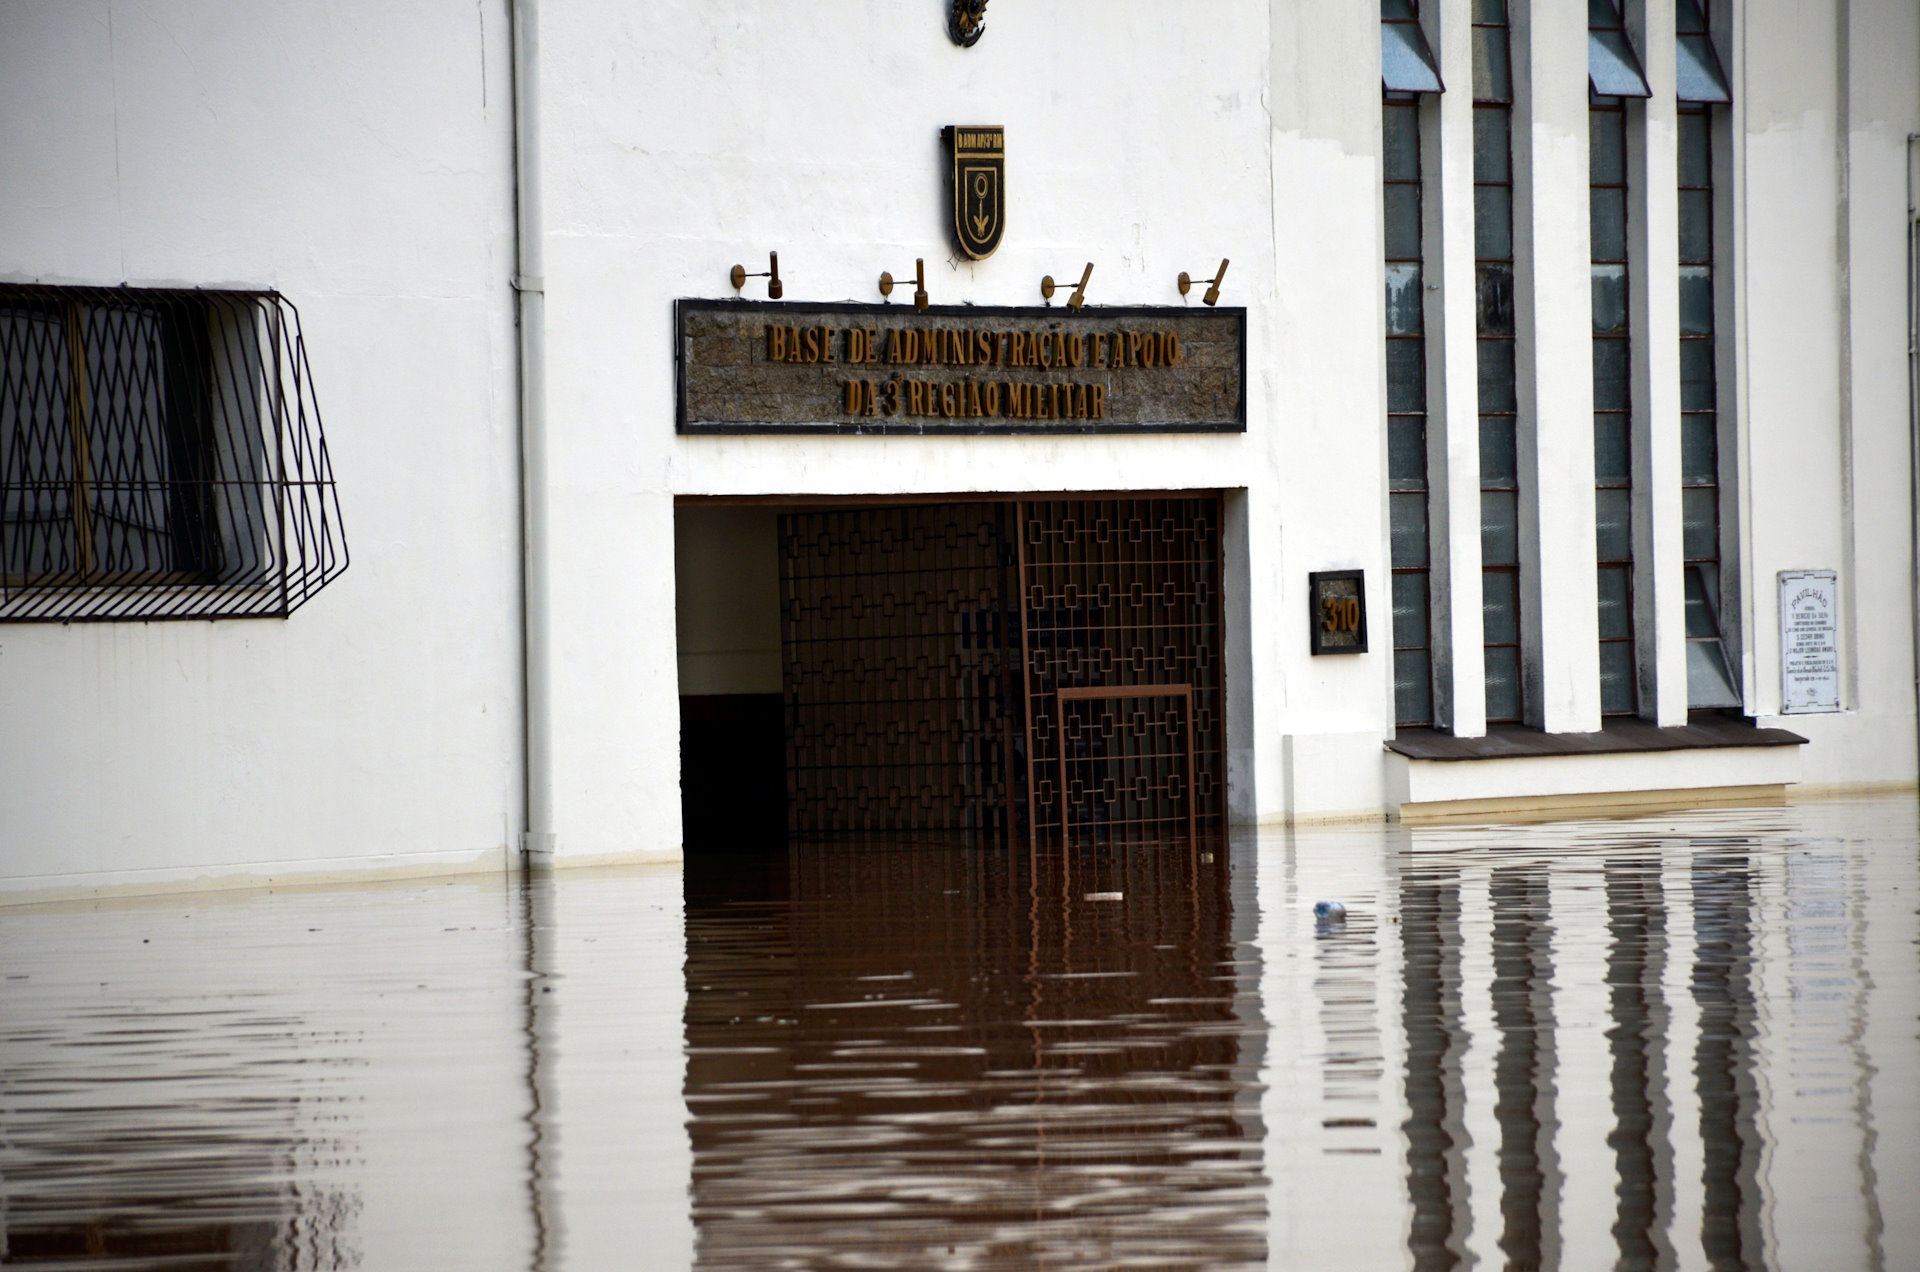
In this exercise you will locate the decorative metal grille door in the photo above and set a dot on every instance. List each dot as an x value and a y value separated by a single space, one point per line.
1126 764
900 712
1045 670
1121 623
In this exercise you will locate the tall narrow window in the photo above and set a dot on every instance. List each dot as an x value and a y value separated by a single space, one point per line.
1613 74
1709 678
1612 419
1494 326
1406 70
1406 415
1699 83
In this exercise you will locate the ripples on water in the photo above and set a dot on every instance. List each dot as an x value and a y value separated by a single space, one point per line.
1679 1041
914 1055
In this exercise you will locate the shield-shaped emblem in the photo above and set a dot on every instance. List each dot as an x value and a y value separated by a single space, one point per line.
979 187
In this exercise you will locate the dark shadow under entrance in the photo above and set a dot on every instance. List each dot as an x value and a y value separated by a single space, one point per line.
1030 673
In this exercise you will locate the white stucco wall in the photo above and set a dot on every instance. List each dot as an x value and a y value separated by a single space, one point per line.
355 157
1137 139
358 158
1831 92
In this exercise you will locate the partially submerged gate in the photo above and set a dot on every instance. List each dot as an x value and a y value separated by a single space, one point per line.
1046 671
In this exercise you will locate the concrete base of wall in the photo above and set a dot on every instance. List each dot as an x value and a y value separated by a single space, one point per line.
1576 785
1558 807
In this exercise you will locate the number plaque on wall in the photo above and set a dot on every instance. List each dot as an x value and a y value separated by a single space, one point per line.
1337 601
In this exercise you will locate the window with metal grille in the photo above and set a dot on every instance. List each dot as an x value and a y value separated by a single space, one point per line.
160 457
1499 393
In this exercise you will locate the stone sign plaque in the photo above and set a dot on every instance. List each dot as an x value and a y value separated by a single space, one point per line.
1337 609
1809 642
753 367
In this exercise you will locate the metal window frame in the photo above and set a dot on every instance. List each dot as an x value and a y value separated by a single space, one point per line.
1617 107
1717 596
1504 105
1423 569
1406 33
246 443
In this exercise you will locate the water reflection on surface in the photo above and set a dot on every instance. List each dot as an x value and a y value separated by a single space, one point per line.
1688 1041
921 1057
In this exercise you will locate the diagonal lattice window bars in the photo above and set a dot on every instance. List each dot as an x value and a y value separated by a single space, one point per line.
160 457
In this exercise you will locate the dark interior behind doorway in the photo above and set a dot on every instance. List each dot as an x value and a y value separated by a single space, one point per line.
1037 671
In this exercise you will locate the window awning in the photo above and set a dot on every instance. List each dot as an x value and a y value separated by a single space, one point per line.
1406 61
1697 76
1612 68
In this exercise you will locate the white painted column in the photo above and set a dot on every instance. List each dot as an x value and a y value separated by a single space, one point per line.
1559 592
1453 385
1653 251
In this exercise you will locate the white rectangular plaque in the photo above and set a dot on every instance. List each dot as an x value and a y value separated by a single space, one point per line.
1809 642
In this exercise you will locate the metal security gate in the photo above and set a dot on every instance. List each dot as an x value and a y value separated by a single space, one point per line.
1046 671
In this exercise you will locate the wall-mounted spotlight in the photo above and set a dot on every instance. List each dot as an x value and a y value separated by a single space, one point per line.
1079 296
1212 296
919 283
772 275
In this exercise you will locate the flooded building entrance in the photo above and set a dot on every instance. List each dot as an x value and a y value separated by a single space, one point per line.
998 672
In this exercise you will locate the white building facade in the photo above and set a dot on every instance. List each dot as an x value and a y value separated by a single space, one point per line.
1572 408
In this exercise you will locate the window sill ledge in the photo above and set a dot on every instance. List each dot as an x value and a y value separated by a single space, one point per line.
1617 737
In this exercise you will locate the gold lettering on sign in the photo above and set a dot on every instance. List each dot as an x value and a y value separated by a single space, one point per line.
964 397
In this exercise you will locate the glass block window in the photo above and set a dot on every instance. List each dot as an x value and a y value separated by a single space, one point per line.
1612 402
1494 327
1710 680
1407 416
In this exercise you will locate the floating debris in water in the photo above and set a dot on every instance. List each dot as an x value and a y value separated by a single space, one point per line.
1106 896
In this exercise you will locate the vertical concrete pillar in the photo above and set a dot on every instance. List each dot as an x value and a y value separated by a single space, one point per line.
1560 632
1653 252
1453 390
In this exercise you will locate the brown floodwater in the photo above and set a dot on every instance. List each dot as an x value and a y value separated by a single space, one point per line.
1689 1040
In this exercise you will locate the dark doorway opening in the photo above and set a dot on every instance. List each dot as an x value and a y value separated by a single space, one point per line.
1043 673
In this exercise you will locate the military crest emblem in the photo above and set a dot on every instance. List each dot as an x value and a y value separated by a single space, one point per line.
979 180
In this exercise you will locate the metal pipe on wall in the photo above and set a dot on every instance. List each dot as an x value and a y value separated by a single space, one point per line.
537 842
1913 393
